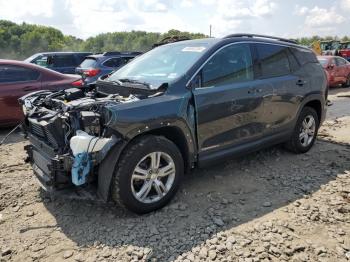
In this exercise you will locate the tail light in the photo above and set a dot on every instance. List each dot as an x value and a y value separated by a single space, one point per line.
78 83
91 72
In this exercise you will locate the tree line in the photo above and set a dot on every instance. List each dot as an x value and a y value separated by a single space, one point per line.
19 41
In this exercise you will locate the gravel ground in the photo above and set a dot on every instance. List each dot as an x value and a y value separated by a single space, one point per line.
267 206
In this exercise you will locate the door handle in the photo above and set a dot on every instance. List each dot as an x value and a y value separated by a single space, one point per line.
255 90
300 82
29 88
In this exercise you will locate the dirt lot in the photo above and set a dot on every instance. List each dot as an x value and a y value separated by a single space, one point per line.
268 206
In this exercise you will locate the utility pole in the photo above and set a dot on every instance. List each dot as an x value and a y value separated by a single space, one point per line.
209 30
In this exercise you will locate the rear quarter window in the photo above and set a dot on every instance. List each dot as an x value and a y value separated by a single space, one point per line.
304 56
113 62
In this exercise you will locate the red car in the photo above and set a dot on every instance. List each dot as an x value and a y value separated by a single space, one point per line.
19 78
337 69
345 50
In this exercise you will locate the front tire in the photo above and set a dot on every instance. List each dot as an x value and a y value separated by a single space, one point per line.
148 174
347 83
305 131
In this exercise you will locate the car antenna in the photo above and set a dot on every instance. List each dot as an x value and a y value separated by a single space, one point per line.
5 138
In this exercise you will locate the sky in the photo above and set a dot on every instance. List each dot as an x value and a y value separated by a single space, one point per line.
284 18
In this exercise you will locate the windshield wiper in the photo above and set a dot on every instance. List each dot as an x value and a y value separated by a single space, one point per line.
116 81
133 81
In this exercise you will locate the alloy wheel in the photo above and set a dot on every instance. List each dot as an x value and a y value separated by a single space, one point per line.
307 131
153 177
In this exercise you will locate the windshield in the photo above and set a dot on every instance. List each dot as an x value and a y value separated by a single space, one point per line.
323 61
162 64
31 58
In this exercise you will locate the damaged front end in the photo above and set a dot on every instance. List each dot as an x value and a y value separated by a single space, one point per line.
70 135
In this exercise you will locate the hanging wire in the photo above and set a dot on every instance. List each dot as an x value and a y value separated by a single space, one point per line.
5 138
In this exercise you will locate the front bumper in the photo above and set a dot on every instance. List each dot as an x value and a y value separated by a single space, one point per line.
51 170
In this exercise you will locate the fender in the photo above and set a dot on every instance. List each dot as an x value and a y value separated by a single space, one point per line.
312 97
106 170
185 115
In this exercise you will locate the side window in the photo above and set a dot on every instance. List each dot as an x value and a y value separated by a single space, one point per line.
42 61
304 56
80 58
340 61
273 60
232 64
11 74
294 64
113 62
63 60
125 60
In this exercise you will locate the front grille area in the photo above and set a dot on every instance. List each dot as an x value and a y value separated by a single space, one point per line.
43 132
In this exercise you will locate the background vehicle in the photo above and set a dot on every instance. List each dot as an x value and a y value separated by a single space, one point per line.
63 62
180 105
345 50
316 47
338 70
98 65
20 78
330 47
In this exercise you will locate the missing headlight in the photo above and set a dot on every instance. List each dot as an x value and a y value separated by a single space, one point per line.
90 121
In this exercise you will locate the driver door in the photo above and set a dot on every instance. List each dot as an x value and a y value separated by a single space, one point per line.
228 100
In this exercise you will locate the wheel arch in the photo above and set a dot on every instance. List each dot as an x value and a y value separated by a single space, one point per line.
317 106
317 102
107 166
175 135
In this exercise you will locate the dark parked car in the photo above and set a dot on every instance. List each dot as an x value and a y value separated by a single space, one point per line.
95 66
178 106
20 78
63 62
338 70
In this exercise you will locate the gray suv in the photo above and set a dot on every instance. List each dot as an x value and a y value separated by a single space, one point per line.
179 106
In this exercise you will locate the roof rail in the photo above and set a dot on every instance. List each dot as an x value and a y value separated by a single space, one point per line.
262 36
170 39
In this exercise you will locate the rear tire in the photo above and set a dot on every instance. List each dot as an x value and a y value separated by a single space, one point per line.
347 83
148 174
305 131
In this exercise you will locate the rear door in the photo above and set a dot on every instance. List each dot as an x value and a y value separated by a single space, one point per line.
226 102
342 70
276 64
15 81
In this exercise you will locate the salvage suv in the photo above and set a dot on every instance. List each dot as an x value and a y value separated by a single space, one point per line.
178 106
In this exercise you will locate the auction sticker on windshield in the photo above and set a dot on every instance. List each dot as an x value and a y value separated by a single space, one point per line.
193 49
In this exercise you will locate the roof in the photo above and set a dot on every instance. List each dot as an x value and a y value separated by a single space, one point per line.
63 52
114 54
326 56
